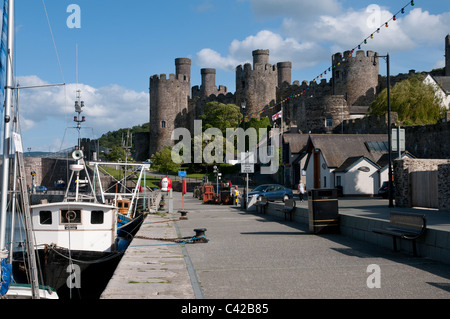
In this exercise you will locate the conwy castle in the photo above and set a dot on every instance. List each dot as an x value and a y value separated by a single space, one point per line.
309 107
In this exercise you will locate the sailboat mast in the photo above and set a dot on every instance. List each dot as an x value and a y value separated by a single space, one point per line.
7 123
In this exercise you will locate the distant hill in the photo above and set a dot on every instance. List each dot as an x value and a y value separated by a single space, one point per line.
117 138
37 154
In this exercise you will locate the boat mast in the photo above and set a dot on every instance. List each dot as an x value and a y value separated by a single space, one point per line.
7 123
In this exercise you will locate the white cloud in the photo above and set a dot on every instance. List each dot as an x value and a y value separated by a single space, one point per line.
48 111
348 29
425 28
281 49
209 58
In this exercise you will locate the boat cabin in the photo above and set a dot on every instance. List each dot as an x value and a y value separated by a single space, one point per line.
123 205
78 225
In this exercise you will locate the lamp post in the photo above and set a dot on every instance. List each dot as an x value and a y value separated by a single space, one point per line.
388 83
243 104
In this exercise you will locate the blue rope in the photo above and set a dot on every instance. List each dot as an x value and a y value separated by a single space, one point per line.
180 243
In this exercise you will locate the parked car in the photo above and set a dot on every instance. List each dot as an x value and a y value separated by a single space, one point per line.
384 190
272 192
39 189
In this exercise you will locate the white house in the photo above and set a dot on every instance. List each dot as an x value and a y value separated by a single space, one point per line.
442 87
358 176
356 163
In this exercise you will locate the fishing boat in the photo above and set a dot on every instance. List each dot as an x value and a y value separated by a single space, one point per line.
76 238
9 289
24 291
125 198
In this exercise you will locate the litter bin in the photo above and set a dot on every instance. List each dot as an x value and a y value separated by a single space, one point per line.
323 211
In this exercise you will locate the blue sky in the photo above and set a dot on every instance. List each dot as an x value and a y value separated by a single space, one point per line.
122 43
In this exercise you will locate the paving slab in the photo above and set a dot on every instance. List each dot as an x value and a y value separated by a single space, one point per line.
254 256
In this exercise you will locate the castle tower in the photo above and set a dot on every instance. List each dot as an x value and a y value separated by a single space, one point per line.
256 86
183 67
447 55
355 77
260 57
169 104
284 73
208 86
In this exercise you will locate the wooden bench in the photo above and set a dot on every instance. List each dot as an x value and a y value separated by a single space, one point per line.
288 208
262 203
405 226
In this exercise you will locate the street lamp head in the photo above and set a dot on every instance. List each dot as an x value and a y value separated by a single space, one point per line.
243 104
375 59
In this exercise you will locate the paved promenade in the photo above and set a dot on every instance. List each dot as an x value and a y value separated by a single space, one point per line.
256 256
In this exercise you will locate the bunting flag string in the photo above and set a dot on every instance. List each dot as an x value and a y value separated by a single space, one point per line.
365 41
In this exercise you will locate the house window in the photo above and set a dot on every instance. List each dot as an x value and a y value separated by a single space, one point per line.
338 181
324 181
329 122
97 217
163 124
45 217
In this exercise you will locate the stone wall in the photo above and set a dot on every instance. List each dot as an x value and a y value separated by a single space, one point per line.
444 186
356 76
428 141
402 170
376 124
422 141
141 146
258 86
47 170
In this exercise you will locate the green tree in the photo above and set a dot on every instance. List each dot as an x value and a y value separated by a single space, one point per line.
264 122
116 154
414 101
117 138
162 162
221 116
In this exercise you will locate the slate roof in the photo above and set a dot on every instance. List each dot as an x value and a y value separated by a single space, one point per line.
349 162
444 82
297 142
337 148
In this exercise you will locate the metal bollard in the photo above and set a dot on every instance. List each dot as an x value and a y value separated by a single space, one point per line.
183 214
200 232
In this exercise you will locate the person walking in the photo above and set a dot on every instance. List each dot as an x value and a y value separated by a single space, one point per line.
235 195
301 190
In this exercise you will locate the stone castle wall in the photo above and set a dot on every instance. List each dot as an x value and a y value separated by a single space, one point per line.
168 105
356 77
422 141
354 82
257 85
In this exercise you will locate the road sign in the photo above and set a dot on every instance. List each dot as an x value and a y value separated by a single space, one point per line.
394 140
182 173
248 157
247 168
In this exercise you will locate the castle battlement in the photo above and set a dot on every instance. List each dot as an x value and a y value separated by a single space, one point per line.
197 91
172 78
248 69
348 57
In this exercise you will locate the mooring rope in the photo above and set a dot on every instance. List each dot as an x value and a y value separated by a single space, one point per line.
176 242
